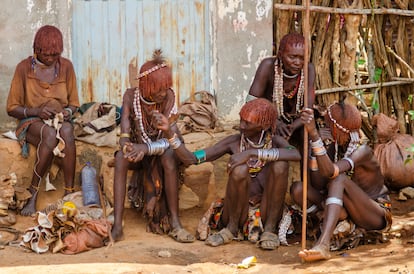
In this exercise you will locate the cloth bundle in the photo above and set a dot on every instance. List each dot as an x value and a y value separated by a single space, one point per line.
392 152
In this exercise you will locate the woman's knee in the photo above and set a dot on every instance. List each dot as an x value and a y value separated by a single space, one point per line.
280 169
296 190
66 132
239 173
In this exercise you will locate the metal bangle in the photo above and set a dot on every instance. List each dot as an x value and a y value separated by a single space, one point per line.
158 147
351 163
25 112
336 172
271 154
125 135
174 142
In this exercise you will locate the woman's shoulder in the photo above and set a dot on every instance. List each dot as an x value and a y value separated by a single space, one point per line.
269 61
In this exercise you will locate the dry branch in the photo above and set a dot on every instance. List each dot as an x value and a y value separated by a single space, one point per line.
346 11
366 86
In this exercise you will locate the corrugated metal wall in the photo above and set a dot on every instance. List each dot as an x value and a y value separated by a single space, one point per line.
112 38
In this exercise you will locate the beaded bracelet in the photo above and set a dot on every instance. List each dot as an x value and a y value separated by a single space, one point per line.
319 151
313 164
125 135
200 156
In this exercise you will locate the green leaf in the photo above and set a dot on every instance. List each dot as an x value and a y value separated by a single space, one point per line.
410 98
411 113
377 74
361 62
375 105
410 149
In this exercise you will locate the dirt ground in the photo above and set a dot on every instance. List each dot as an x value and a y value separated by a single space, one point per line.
143 252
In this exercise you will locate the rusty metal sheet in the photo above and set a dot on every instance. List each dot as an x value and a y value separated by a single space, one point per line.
112 38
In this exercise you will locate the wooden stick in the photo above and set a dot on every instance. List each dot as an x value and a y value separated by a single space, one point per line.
402 81
389 49
346 11
306 34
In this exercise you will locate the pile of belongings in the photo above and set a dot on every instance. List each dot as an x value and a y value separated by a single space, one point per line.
68 227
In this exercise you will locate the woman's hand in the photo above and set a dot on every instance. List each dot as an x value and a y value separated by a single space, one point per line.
134 152
46 112
159 120
67 114
238 159
308 119
283 130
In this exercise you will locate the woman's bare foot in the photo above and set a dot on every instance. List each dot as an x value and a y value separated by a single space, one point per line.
318 252
30 208
117 233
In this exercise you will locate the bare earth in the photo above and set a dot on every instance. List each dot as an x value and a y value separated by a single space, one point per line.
143 252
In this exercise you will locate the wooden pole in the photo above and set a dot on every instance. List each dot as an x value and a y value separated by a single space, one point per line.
306 34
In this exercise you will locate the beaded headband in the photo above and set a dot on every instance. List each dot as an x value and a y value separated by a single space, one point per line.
335 122
151 70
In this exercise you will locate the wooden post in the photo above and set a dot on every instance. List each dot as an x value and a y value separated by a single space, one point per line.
306 34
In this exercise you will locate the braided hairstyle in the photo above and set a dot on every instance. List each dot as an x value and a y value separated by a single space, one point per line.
260 111
48 40
160 78
345 121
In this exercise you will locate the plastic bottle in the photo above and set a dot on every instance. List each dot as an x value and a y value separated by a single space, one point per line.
90 190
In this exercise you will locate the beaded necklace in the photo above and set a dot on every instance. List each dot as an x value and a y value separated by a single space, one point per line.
35 62
278 92
255 165
139 118
354 135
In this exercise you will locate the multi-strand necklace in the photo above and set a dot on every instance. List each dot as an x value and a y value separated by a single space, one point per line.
139 116
255 165
278 92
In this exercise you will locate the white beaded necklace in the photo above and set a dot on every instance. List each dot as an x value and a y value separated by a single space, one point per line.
138 116
259 144
278 92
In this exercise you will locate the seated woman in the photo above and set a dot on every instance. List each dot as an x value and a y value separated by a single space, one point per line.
258 171
154 185
350 186
44 86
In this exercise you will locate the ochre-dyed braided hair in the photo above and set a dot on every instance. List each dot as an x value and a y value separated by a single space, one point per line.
260 111
343 119
293 38
48 40
154 76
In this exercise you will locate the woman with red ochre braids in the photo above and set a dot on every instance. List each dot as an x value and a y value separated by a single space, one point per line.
44 88
280 79
346 179
154 185
258 172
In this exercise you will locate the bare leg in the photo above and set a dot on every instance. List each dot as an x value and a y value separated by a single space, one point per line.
236 206
320 250
169 164
274 195
120 175
170 167
236 201
69 161
44 138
